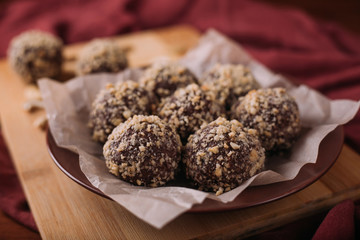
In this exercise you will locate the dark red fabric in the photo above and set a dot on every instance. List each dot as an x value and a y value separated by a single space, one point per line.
341 223
343 217
321 55
12 198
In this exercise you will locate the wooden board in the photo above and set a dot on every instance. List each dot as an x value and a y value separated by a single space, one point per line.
63 209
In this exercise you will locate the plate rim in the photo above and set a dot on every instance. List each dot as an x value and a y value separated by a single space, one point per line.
208 204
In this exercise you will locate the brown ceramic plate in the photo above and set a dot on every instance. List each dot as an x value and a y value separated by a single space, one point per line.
329 149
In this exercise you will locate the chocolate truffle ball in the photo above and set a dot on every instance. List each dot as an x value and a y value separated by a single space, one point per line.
144 150
101 55
115 105
164 78
222 155
35 54
273 113
188 108
228 82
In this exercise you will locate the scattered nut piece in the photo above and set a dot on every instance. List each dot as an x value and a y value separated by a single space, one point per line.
234 146
32 105
41 122
219 192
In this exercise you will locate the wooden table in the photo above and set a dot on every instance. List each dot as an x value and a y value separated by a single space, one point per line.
63 209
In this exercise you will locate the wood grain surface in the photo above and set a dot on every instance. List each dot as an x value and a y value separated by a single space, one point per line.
64 210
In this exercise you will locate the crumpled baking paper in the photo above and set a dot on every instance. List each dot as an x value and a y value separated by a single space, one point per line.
68 105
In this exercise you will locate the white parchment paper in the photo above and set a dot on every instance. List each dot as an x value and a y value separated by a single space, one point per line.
68 105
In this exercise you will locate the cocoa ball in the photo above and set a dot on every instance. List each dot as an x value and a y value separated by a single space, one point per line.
164 78
101 55
228 82
35 54
273 113
115 105
189 108
144 150
222 155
